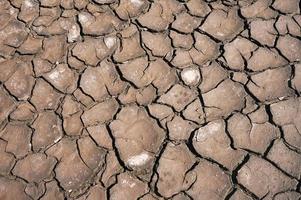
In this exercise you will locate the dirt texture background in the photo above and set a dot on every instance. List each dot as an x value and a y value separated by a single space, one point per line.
150 99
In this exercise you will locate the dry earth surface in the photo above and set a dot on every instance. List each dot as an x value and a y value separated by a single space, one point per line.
150 99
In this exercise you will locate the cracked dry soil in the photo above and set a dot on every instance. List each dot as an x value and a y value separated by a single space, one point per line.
150 99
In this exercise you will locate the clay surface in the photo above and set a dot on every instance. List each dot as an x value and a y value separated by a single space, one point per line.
150 100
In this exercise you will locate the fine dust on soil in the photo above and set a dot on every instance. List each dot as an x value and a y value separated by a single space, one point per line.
150 99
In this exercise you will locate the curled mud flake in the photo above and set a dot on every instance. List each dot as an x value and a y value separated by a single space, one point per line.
191 76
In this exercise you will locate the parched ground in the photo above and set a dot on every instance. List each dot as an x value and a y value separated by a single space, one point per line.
150 99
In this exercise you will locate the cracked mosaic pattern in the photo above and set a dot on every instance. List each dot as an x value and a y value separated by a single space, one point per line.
150 99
